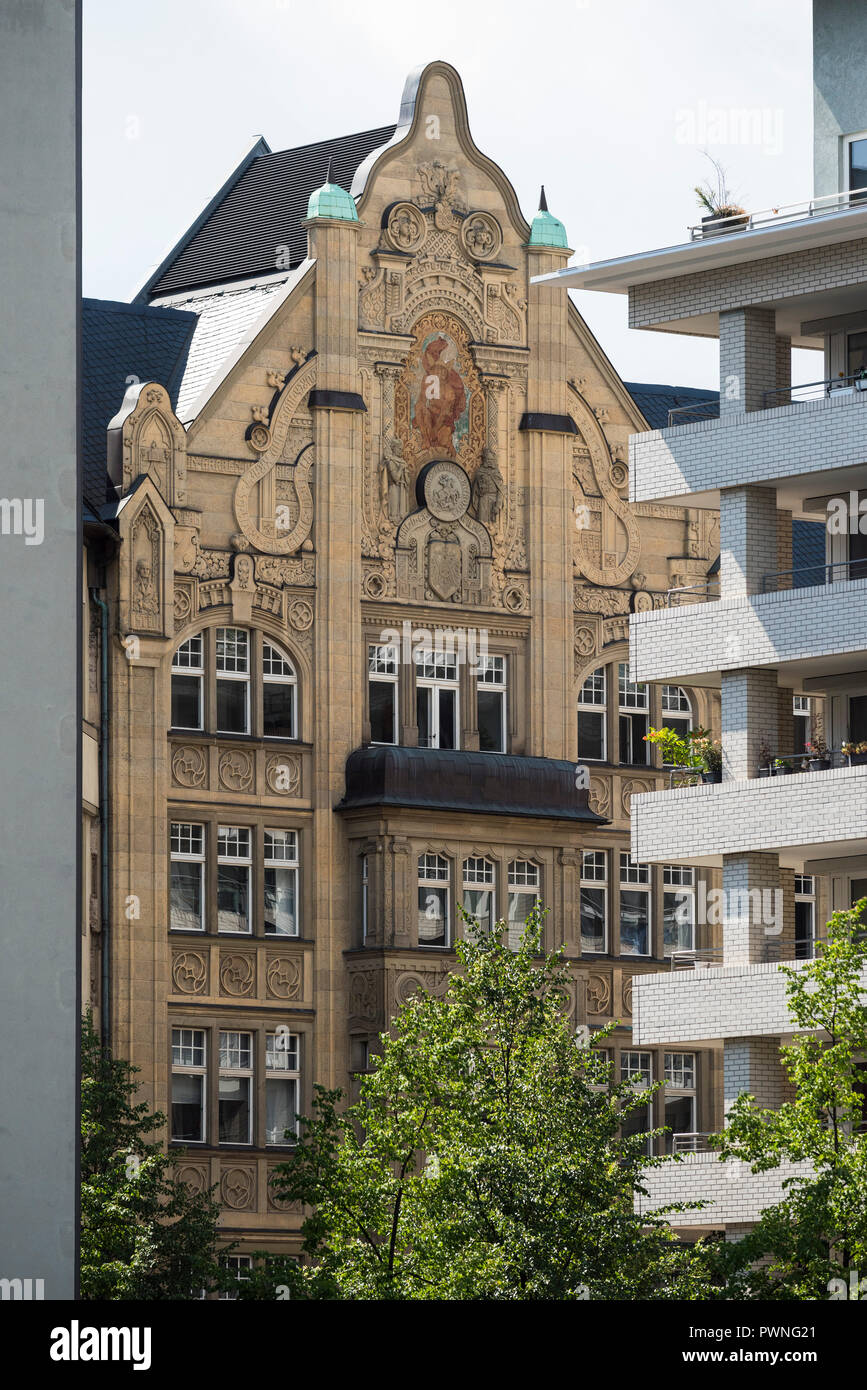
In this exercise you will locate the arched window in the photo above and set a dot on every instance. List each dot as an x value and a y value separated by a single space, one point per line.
231 680
676 710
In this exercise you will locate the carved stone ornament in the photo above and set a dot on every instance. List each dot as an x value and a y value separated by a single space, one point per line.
599 994
283 774
443 554
189 767
283 977
236 770
446 491
481 236
190 972
406 228
152 441
238 1187
262 519
609 555
237 975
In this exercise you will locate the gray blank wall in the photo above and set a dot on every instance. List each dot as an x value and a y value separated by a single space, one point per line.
39 720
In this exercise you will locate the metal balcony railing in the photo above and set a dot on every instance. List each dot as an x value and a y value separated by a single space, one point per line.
708 590
696 958
698 410
809 575
775 217
691 1143
816 390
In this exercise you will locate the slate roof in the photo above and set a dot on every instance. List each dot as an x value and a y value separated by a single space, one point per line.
264 210
655 402
119 341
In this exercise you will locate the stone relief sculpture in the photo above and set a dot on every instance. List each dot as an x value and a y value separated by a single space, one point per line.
488 489
397 481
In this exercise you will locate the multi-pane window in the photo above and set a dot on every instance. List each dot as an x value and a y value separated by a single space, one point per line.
594 900
634 907
676 710
282 1086
281 882
523 894
637 1068
491 687
591 717
633 707
365 897
236 1088
188 674
801 722
433 900
679 1098
187 876
233 680
805 916
189 1084
479 891
234 866
279 694
436 696
382 676
241 1268
678 908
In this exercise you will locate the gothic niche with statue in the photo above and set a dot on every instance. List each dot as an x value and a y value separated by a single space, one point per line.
443 554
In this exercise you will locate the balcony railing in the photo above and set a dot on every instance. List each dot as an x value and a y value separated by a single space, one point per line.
697 958
698 410
691 1143
816 390
809 575
777 217
708 590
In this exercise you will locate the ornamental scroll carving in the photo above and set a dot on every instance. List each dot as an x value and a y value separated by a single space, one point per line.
264 521
607 556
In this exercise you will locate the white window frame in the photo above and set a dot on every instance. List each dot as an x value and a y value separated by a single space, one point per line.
682 711
383 668
595 706
280 677
479 875
629 1072
679 1071
290 862
493 676
182 667
805 892
283 1063
233 674
236 1262
434 871
594 875
238 1069
678 880
185 1039
521 875
435 661
239 860
636 877
181 856
633 697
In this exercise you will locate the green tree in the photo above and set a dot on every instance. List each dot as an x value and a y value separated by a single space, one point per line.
483 1158
819 1231
144 1234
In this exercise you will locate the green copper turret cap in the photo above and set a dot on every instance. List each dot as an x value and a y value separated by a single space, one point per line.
547 230
332 201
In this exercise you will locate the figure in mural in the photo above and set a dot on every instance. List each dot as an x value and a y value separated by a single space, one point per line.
442 399
488 489
397 481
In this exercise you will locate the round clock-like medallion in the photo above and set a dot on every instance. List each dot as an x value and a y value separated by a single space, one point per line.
446 489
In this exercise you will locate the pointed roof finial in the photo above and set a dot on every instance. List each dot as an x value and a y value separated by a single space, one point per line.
328 171
546 229
543 201
330 200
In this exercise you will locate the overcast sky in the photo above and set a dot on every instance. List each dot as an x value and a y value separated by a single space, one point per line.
609 103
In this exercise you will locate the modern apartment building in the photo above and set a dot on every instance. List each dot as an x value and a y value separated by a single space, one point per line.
360 525
779 634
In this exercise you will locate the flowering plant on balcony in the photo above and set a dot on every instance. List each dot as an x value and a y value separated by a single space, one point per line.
708 749
856 751
695 749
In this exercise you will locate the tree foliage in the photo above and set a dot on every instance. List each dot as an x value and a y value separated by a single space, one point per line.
483 1158
819 1231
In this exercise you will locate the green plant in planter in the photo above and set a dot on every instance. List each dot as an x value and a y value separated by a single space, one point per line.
781 766
709 750
676 751
717 200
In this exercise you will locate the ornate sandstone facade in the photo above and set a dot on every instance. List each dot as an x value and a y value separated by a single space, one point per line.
405 437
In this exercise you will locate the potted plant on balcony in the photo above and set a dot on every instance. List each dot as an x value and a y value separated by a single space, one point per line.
856 752
782 767
764 768
710 752
818 758
719 204
676 752
861 379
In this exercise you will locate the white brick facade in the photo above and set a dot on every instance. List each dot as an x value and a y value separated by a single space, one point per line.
691 824
712 1002
736 1195
755 446
755 282
671 644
